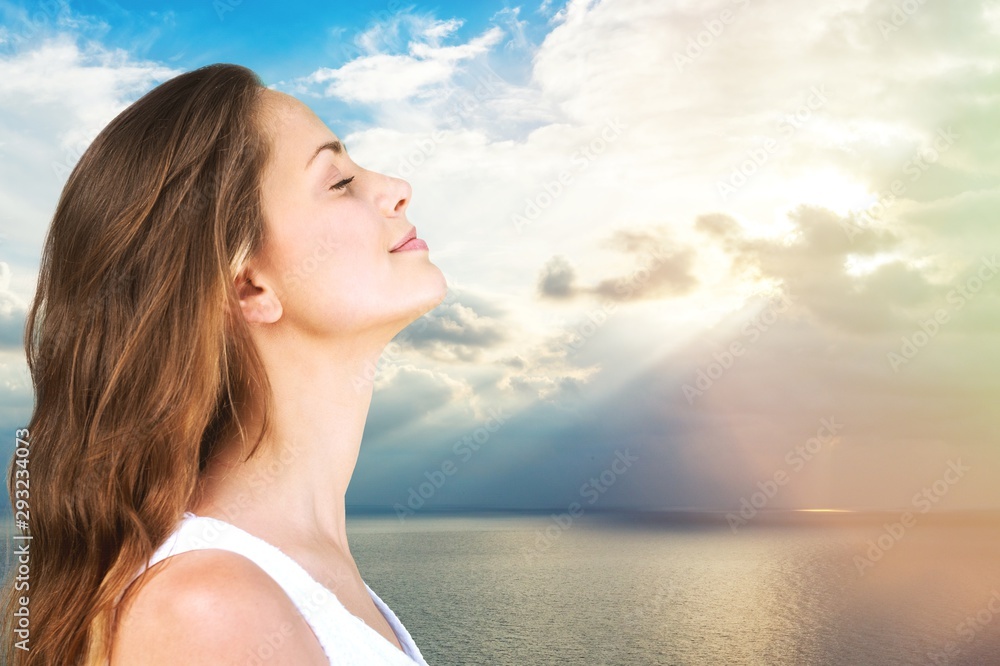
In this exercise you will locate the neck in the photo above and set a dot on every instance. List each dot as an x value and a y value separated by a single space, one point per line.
295 485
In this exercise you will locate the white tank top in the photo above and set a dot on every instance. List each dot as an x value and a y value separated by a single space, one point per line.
346 639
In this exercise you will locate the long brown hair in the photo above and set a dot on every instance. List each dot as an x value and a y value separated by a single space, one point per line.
139 357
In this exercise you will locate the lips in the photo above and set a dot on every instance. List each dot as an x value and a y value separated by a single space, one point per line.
408 236
409 241
412 244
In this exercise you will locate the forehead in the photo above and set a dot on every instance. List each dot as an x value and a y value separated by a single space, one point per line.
295 131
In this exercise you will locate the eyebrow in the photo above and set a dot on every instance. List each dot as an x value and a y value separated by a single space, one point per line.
336 146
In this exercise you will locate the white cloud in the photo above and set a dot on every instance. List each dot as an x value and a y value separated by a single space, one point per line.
12 311
438 30
54 98
382 75
381 78
79 88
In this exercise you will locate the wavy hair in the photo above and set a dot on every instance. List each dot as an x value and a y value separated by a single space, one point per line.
139 356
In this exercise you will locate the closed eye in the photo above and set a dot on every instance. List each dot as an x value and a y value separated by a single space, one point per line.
342 184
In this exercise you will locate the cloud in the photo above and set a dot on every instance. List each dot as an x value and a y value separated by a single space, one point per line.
54 98
508 16
665 275
379 75
389 33
406 394
557 278
12 313
811 265
655 270
455 332
658 269
81 89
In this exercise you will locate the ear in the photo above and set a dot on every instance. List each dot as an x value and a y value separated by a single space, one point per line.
258 301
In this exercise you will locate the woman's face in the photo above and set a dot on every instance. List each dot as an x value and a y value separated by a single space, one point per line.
332 225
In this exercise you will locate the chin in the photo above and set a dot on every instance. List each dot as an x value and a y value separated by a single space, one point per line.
442 288
434 298
423 295
432 287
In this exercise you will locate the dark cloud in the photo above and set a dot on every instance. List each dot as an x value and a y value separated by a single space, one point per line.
454 331
11 327
658 275
404 395
556 279
810 265
515 361
718 225
659 271
486 305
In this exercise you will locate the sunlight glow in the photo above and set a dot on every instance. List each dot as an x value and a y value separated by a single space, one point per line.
829 188
857 265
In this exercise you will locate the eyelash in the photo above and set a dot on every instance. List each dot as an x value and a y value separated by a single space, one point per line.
342 184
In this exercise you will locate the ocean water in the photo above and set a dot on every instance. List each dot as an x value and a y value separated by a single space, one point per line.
616 589
613 589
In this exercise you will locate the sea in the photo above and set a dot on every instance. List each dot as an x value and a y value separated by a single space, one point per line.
688 588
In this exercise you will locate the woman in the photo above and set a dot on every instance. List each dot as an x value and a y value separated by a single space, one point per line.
217 285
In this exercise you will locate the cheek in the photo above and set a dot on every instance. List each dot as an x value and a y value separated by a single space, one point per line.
328 258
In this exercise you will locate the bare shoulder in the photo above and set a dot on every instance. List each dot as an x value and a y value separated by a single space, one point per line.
211 607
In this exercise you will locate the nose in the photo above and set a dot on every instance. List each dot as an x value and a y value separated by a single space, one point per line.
395 197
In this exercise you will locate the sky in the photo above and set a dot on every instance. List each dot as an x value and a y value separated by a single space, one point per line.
700 255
